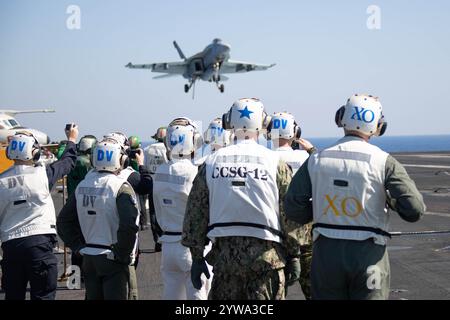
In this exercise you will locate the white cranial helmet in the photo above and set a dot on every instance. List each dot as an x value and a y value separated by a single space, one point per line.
119 137
283 125
217 135
108 155
86 143
362 113
182 138
23 146
247 114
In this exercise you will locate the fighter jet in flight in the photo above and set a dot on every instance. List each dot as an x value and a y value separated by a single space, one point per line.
209 65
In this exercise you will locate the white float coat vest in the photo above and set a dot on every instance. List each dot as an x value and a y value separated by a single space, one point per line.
348 193
294 158
97 211
125 174
26 205
243 192
172 183
155 155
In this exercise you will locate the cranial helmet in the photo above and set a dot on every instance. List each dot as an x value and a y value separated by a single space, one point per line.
86 143
216 134
134 142
362 113
23 146
109 155
283 125
119 137
247 114
183 137
160 134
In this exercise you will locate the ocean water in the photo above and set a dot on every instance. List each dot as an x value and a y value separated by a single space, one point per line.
398 143
390 143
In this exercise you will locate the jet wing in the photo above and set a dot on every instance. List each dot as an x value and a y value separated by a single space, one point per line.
178 67
13 113
231 66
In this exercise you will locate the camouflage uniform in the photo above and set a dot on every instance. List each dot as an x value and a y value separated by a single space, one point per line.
306 259
244 267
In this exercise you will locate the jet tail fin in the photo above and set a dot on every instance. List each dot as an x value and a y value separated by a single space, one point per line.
182 56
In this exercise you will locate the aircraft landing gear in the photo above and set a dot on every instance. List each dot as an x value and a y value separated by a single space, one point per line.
216 78
221 88
188 86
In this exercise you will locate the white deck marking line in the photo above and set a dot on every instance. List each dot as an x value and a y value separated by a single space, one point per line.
426 166
439 214
426 155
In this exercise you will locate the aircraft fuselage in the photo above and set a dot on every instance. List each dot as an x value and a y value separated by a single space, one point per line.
205 64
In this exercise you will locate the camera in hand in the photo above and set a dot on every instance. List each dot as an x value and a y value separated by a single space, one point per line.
132 153
69 126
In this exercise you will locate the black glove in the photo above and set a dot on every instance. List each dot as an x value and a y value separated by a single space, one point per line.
198 267
292 271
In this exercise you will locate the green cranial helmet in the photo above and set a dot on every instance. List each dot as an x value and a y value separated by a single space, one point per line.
160 134
135 142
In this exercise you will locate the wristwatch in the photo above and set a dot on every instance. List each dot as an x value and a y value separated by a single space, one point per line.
311 150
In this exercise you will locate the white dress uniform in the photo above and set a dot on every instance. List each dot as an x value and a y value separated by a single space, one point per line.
244 174
97 212
26 205
294 158
349 197
171 186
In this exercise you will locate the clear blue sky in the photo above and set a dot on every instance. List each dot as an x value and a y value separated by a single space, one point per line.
323 50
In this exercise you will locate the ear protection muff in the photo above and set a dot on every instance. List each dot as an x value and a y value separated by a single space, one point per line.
36 154
297 131
267 120
269 129
226 120
339 115
382 126
124 160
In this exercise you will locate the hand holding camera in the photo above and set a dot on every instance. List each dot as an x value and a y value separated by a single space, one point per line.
138 155
71 131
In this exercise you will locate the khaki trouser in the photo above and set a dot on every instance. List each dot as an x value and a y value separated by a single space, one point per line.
105 279
349 269
133 285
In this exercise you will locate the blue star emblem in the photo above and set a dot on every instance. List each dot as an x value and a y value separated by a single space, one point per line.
245 112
